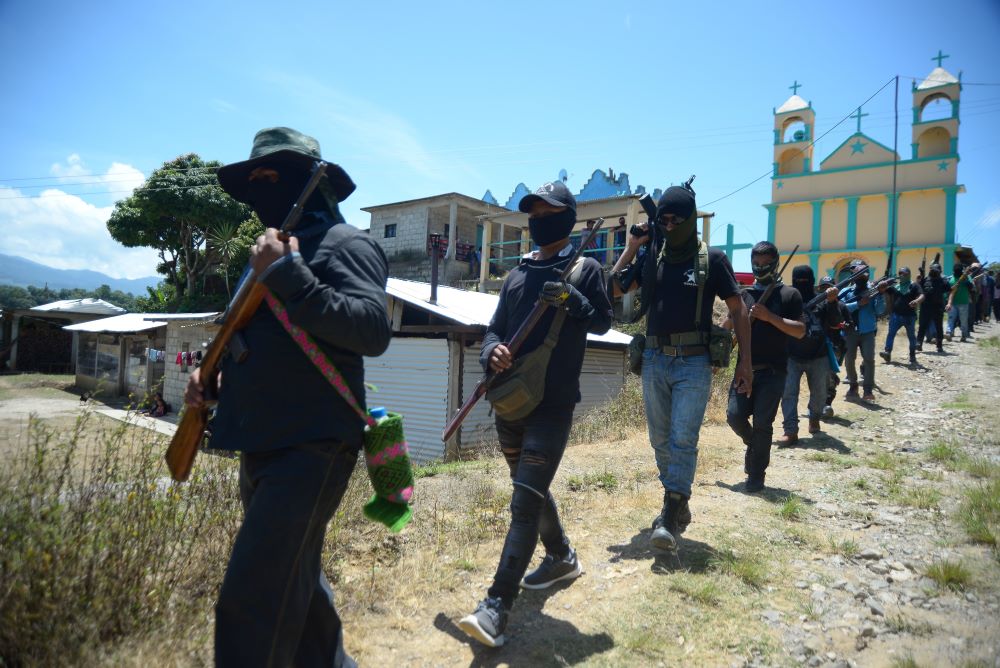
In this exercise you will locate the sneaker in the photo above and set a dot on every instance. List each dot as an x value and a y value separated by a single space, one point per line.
828 411
868 397
913 359
886 355
813 425
948 335
754 485
487 622
553 570
852 393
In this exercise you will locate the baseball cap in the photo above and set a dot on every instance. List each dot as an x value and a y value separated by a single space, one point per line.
555 193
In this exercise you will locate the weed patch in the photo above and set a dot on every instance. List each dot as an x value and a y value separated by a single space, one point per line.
980 512
793 508
951 574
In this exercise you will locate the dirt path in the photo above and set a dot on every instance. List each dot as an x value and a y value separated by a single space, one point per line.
826 569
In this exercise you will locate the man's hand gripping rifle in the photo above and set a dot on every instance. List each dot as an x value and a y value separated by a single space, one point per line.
191 429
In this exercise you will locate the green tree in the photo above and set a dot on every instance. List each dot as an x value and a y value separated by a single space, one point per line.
176 211
14 296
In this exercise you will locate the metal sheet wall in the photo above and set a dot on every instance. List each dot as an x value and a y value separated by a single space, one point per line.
412 379
601 380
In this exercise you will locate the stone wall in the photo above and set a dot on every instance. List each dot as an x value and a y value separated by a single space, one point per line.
411 228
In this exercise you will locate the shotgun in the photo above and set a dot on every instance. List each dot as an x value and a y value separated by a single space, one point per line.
191 429
821 297
515 343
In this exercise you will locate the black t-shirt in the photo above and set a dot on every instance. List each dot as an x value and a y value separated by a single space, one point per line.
517 299
768 344
901 301
819 321
671 310
935 289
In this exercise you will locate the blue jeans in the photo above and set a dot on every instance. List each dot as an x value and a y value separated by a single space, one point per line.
533 447
817 373
675 391
959 314
867 344
895 322
762 405
275 607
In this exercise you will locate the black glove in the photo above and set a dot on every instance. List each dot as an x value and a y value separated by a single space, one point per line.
564 295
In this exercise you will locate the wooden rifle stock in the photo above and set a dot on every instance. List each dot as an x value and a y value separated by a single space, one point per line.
515 343
191 428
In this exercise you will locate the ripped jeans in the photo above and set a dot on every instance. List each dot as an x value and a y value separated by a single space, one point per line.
533 447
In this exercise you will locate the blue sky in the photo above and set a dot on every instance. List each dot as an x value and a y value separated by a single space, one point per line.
415 99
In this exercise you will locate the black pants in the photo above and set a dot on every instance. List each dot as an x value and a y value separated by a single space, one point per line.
276 606
533 448
928 314
762 405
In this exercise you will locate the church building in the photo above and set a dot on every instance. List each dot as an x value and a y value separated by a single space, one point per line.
844 207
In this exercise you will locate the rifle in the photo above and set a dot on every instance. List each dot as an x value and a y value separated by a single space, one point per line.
191 429
820 298
649 208
776 283
515 344
922 272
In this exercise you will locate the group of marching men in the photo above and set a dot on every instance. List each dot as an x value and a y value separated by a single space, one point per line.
293 405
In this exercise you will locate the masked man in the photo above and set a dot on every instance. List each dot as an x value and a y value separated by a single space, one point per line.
298 439
809 355
680 278
959 298
835 335
533 443
935 291
774 322
864 310
906 297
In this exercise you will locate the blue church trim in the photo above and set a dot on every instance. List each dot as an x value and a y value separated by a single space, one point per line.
600 185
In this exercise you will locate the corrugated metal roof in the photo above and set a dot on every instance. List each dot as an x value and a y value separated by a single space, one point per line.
90 305
128 322
183 316
467 307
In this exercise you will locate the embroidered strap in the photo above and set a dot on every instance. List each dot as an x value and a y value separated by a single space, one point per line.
316 356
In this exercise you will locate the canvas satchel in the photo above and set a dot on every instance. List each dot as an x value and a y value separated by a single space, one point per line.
518 390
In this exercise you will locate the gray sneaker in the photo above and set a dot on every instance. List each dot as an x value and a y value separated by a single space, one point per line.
487 623
553 570
828 411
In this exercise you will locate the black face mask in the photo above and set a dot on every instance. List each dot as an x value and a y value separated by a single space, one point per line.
862 281
935 273
273 201
552 228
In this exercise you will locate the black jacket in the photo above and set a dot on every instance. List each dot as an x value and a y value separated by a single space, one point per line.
518 296
334 289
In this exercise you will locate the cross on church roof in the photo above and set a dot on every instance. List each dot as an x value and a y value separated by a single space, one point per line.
941 56
858 115
795 87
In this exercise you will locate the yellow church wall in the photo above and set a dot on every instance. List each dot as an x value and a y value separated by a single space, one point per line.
827 262
873 216
846 156
921 218
793 225
911 258
833 232
910 175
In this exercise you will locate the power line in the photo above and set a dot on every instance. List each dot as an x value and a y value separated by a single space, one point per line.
801 150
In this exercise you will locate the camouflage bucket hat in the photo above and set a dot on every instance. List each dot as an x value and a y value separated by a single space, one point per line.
281 146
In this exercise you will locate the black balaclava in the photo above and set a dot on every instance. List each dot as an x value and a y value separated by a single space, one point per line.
861 281
935 270
273 201
550 229
681 242
804 280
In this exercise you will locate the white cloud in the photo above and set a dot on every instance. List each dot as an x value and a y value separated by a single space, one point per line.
381 137
990 218
59 228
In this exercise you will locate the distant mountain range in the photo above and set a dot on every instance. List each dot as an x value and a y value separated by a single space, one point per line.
18 271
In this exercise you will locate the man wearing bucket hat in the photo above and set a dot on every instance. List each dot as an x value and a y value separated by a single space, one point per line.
298 439
533 433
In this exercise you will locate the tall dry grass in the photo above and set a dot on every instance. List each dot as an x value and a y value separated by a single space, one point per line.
97 545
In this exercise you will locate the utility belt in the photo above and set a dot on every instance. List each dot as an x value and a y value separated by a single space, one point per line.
771 368
679 340
716 345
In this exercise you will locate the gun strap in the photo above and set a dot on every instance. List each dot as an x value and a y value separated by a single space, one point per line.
320 359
